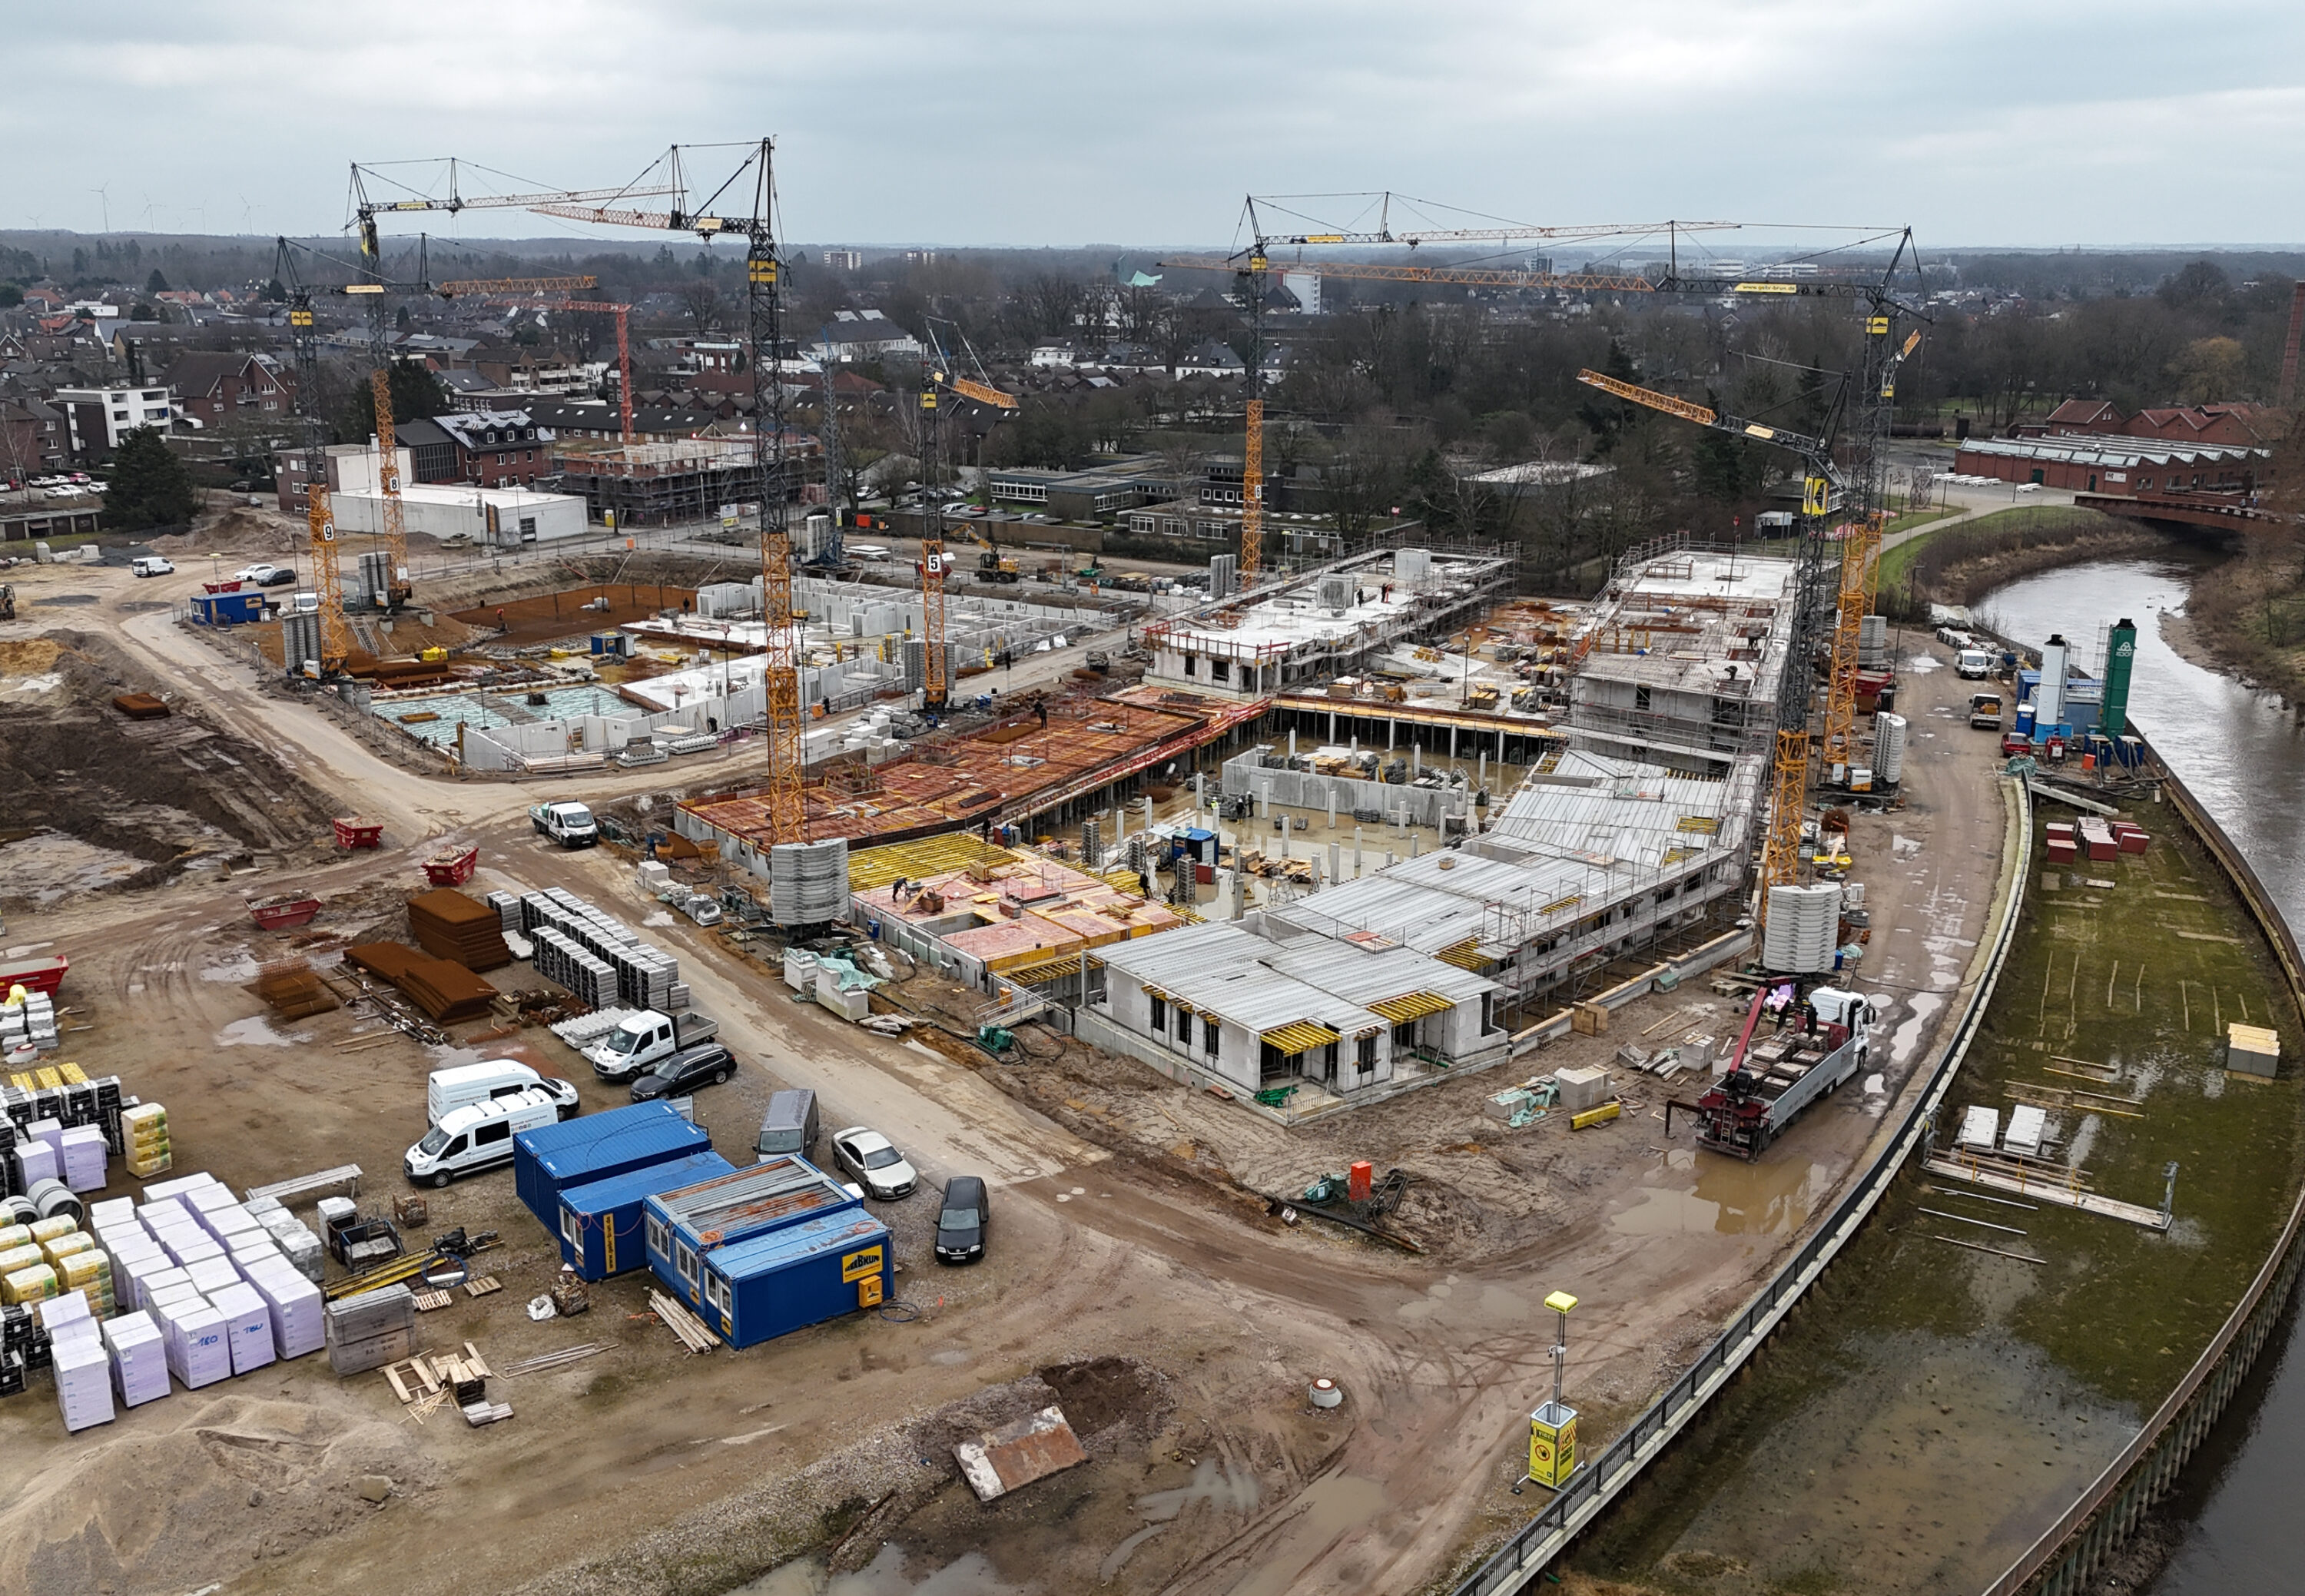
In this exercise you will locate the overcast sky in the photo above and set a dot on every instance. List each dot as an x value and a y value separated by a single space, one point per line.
1036 122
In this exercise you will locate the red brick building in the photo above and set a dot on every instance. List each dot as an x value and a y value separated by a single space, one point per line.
499 449
214 387
2240 426
2115 463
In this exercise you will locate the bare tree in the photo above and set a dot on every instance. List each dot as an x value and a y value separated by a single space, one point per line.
702 302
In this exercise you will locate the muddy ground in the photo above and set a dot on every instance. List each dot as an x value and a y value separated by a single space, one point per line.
99 802
644 1468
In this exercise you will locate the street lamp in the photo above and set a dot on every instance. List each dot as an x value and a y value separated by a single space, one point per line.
1552 1428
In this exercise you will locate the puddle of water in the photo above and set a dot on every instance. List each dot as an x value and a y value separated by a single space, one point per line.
886 1575
1232 1490
1724 1197
255 1032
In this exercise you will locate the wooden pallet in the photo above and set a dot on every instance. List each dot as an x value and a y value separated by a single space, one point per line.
428 1301
433 1374
482 1286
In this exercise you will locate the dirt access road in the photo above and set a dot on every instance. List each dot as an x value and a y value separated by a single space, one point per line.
745 1457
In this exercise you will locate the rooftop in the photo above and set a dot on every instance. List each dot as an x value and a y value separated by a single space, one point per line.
2116 450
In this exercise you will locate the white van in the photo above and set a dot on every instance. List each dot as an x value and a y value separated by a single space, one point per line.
478 1136
463 1085
150 565
1973 664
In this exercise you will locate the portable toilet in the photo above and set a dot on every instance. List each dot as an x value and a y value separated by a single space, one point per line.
551 1159
600 1222
801 1275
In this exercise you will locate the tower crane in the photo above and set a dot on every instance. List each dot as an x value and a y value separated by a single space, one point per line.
936 685
660 199
1252 266
328 581
1855 482
519 299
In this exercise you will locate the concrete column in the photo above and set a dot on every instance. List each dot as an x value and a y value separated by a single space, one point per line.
1333 807
1265 803
1239 891
1391 734
1388 858
1356 853
1483 779
1200 791
1333 727
1292 742
1416 759
1284 836
1148 811
1336 861
1412 841
1401 815
1452 742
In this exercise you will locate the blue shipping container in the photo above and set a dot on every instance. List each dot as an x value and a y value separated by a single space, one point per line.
600 1221
804 1274
227 609
550 1159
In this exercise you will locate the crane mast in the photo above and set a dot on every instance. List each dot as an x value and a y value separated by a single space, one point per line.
936 686
328 581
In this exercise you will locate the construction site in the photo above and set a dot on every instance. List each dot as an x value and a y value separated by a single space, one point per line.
580 976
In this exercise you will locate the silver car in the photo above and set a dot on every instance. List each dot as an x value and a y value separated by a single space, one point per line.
874 1163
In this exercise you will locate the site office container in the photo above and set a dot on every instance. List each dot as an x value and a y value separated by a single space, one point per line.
551 1159
803 1273
600 1232
682 1225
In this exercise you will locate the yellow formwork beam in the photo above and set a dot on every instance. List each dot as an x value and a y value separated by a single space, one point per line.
922 857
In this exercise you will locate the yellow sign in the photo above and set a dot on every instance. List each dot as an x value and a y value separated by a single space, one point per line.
1561 1301
1552 1444
868 1291
856 1265
1816 492
1764 289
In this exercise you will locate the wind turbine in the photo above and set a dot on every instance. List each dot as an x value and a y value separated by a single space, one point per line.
104 197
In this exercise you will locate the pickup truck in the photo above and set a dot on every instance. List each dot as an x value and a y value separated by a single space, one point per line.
1984 710
645 1040
570 824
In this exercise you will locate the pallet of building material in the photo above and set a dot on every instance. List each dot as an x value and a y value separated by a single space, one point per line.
478 1414
449 925
141 706
371 1313
293 990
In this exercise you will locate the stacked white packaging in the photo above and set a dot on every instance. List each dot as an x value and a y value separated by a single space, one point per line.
199 1353
247 1326
139 1358
36 1161
81 1151
299 1316
82 1371
212 1275
151 1284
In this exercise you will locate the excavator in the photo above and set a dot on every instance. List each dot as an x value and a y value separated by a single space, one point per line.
991 564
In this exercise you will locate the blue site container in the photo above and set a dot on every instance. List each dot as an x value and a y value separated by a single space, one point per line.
227 609
802 1274
685 1222
551 1159
600 1221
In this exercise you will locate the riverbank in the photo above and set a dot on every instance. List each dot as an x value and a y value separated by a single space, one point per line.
1959 564
2245 618
1974 1368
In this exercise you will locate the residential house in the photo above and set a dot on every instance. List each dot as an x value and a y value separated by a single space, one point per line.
216 388
431 450
34 438
98 418
499 449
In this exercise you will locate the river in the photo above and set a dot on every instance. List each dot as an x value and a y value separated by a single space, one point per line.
2243 753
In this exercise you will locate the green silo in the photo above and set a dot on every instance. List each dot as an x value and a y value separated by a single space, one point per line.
2119 654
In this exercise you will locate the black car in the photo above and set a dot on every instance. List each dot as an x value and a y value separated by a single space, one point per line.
708 1064
962 1223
